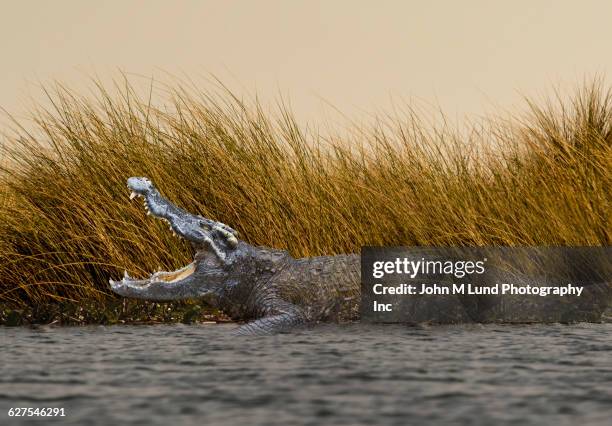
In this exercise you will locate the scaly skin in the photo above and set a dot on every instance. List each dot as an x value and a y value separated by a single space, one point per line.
247 282
275 291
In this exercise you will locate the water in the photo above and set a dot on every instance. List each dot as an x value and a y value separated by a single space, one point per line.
354 374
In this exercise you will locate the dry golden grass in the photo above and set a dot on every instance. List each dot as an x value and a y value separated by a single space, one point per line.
66 224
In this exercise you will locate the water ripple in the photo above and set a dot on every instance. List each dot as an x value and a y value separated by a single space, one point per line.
353 374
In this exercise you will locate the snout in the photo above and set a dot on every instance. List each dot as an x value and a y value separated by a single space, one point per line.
139 185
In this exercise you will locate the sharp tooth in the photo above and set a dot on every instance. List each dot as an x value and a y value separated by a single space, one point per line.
125 275
133 195
148 213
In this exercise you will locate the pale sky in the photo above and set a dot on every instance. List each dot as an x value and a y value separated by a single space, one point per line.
468 56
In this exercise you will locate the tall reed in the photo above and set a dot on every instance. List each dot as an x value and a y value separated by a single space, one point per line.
66 224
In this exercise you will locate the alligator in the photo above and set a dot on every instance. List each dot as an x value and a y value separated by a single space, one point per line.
246 282
271 291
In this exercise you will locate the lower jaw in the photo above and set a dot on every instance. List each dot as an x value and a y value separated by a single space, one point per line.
174 276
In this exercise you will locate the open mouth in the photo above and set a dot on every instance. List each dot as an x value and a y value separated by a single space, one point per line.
169 277
215 250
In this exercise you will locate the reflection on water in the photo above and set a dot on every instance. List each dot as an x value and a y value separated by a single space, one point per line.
175 374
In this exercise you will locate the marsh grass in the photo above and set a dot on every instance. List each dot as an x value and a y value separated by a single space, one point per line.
67 226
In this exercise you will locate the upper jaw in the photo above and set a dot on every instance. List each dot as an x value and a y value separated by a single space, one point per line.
206 235
218 237
139 186
149 206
